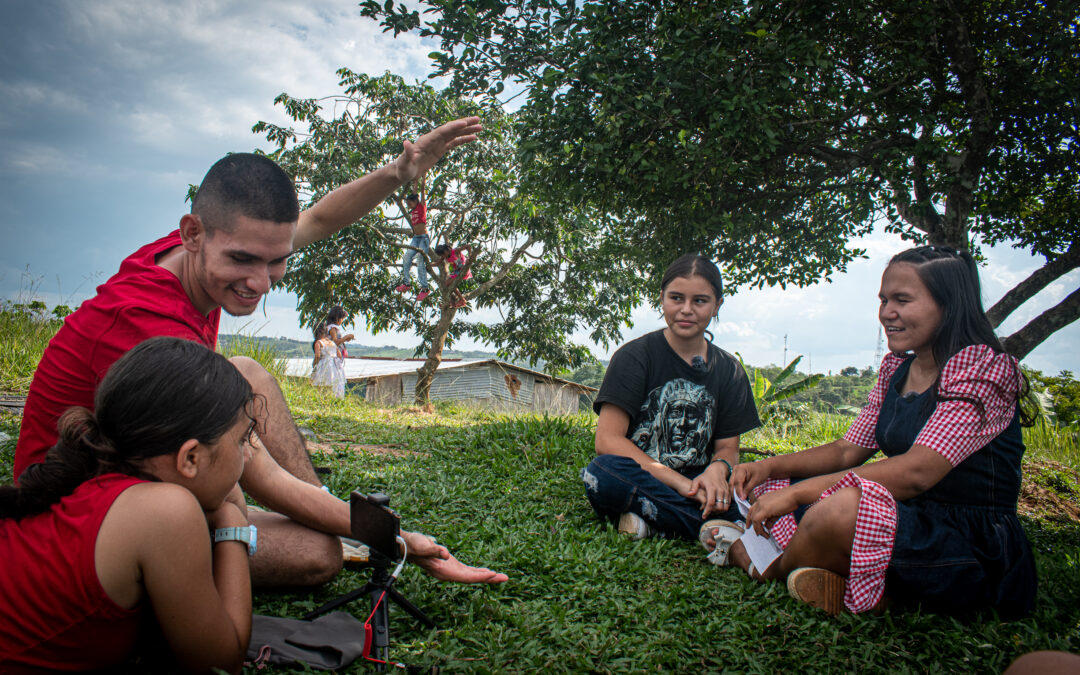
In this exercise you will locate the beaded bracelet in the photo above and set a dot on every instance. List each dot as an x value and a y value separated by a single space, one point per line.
726 463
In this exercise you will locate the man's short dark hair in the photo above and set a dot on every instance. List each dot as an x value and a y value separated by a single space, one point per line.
247 184
411 197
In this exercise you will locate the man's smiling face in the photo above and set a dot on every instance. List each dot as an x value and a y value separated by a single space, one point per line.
236 266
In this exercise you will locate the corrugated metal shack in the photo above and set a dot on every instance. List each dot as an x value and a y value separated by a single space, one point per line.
486 382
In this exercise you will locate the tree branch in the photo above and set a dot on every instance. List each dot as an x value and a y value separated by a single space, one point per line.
1020 343
503 271
1038 280
903 204
392 230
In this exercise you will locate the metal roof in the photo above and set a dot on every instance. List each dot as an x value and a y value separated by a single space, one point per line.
364 368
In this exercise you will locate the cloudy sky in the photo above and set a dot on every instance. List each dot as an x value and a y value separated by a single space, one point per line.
109 109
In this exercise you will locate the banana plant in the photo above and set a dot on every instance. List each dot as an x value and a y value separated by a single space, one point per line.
767 393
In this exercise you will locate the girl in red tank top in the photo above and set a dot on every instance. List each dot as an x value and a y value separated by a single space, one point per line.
115 521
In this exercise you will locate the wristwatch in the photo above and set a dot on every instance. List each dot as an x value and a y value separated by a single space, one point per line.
249 535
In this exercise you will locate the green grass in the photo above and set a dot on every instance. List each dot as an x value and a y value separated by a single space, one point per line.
25 331
1049 442
251 346
504 491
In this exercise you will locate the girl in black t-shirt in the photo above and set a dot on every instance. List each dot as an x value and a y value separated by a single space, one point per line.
672 407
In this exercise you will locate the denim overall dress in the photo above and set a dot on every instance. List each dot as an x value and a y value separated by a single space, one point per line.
959 546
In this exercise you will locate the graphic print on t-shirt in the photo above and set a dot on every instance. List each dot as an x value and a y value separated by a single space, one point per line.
675 424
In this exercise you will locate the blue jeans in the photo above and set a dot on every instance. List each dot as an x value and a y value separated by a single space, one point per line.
421 242
615 484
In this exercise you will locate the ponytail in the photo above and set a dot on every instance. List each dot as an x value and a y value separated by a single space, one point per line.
71 462
153 399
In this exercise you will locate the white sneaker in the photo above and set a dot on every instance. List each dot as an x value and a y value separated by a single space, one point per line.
635 526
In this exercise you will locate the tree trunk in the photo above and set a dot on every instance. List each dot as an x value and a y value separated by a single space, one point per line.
967 67
1039 279
1020 343
426 373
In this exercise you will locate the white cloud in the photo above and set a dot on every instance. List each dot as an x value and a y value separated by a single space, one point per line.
741 330
24 158
34 97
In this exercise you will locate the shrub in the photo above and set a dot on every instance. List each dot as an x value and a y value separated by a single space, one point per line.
25 331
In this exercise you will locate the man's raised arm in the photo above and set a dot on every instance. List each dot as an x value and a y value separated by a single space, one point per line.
351 201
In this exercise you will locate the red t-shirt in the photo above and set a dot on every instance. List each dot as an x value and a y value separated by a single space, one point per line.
419 214
54 612
457 262
140 301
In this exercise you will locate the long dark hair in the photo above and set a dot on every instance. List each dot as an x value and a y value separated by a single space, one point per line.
952 278
158 395
695 265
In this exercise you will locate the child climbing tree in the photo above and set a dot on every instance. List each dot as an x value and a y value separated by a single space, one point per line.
539 275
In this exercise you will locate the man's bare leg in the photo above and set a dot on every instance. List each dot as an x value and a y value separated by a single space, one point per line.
280 435
289 554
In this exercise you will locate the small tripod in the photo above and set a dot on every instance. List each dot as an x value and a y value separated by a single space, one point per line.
381 582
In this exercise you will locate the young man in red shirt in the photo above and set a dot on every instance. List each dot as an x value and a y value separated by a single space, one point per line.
228 252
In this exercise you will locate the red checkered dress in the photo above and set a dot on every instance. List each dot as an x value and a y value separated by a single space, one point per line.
955 430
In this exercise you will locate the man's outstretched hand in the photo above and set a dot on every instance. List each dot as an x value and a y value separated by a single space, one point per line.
438 562
420 156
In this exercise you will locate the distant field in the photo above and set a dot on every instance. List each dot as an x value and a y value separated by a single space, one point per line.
297 349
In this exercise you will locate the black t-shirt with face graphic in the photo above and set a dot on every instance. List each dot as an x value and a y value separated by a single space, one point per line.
677 411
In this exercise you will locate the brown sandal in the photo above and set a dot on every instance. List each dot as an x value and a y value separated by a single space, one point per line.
818 588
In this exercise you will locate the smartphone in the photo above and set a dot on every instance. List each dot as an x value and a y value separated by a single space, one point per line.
375 524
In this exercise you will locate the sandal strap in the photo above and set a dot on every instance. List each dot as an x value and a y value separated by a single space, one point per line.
726 533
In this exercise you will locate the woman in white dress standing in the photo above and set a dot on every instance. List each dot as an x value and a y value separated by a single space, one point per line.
328 369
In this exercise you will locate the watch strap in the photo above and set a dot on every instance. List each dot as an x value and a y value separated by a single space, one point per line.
248 535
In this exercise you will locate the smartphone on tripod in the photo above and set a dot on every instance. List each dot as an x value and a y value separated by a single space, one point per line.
373 523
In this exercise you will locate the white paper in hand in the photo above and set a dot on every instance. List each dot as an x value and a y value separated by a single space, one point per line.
744 506
762 550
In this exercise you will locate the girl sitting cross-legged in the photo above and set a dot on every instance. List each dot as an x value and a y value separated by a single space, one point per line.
131 517
672 407
934 522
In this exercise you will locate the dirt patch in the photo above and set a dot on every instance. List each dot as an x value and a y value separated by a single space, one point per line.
1050 491
428 409
392 450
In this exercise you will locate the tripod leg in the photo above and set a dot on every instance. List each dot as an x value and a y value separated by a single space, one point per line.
337 602
380 630
412 609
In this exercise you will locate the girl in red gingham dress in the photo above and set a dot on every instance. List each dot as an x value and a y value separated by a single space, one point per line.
934 522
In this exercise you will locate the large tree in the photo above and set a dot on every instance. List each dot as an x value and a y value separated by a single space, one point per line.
544 273
771 134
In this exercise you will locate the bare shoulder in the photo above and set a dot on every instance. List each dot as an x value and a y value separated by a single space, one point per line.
145 520
163 505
